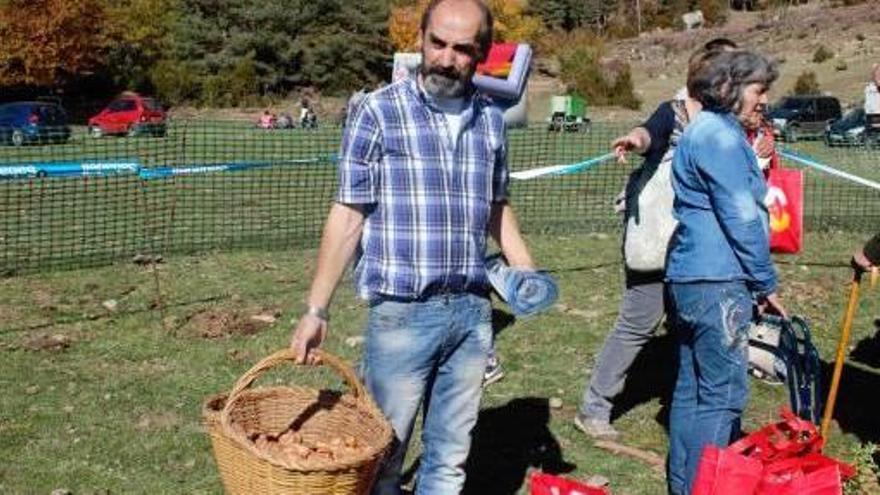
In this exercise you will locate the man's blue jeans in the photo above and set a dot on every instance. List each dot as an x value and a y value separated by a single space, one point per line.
433 354
711 321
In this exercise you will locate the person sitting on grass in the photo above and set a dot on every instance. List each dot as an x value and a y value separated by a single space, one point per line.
267 120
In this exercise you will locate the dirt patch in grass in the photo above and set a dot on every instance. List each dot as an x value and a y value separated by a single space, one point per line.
580 313
157 420
8 315
47 343
44 299
219 322
811 292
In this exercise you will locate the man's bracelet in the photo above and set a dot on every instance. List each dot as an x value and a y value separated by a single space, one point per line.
319 312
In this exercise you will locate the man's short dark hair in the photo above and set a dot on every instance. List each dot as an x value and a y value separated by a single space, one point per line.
720 44
719 84
484 37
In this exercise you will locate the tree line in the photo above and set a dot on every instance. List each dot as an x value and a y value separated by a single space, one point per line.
230 52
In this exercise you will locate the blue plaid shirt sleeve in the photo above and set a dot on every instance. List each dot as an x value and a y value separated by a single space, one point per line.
359 157
500 172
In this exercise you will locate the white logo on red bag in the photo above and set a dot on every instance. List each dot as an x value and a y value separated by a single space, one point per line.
776 202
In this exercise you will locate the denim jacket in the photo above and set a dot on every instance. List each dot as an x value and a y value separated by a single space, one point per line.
723 230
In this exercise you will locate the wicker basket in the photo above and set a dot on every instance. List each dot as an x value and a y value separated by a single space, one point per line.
315 414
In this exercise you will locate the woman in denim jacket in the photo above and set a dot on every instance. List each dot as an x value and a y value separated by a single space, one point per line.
719 265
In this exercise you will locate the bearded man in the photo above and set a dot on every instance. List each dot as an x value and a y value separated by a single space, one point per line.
422 181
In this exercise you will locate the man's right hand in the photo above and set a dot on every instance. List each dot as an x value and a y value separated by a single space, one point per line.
308 335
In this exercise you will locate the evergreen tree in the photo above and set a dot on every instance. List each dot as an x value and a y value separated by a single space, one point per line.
139 30
568 15
277 45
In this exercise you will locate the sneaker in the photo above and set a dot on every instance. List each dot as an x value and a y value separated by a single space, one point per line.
595 428
767 379
493 372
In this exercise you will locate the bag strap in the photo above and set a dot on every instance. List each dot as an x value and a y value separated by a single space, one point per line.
679 108
791 436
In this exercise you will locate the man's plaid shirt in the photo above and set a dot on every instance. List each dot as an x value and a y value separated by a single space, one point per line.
426 194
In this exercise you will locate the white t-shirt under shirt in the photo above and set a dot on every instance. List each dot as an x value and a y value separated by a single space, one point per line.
453 109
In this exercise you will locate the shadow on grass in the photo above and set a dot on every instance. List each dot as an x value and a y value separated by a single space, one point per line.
856 411
501 320
867 351
508 440
651 376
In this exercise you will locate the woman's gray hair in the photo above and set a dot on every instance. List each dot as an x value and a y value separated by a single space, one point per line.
719 85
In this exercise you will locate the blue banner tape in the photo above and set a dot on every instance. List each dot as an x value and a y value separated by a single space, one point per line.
814 164
68 169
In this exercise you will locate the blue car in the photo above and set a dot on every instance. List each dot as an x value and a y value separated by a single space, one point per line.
33 122
847 131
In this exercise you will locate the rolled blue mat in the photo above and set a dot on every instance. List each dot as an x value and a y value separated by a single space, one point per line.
526 292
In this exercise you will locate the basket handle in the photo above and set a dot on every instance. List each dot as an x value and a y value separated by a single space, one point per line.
289 355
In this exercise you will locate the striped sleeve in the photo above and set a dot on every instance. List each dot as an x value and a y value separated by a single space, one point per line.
360 154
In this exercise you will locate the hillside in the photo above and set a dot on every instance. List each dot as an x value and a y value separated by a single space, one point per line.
790 35
658 59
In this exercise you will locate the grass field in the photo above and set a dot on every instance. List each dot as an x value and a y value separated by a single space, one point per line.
102 388
106 368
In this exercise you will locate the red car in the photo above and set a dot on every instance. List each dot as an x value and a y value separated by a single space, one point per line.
131 115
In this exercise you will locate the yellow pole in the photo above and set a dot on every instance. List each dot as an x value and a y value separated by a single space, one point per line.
841 351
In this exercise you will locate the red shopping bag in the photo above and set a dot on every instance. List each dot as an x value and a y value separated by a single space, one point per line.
548 484
725 472
785 204
782 458
791 437
813 474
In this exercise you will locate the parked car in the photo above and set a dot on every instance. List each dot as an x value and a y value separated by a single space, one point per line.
130 115
847 131
801 117
29 122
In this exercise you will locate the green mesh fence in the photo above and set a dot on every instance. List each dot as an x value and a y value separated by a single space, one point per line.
225 185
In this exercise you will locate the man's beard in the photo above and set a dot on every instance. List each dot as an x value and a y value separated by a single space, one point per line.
444 83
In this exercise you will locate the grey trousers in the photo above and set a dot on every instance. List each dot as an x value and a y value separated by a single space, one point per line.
640 312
